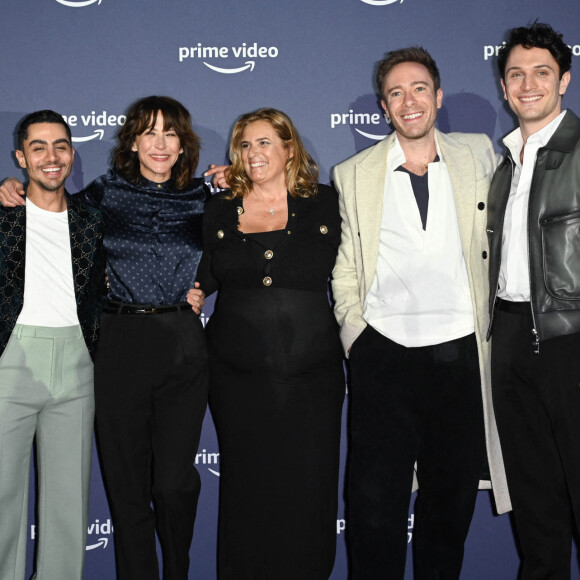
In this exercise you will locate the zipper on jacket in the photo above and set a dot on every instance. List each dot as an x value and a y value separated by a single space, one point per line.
536 341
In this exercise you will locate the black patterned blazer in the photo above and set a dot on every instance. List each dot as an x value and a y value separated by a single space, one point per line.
88 262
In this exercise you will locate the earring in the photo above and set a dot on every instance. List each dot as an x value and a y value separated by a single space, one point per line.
387 118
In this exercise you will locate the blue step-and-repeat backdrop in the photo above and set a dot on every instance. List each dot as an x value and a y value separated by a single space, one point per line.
88 59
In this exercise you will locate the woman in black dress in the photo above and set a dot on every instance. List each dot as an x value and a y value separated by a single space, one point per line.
277 383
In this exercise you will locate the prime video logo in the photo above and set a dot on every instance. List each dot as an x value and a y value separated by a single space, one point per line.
92 120
79 4
352 119
94 529
206 458
491 50
245 51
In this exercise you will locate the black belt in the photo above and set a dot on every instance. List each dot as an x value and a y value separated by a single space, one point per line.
114 307
514 307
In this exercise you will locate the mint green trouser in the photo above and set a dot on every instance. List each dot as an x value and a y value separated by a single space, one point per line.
46 390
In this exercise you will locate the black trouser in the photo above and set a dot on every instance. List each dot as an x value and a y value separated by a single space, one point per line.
412 404
537 407
151 383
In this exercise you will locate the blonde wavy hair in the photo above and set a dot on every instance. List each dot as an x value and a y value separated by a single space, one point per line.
301 170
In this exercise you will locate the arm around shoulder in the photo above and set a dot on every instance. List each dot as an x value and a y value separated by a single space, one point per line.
11 192
205 277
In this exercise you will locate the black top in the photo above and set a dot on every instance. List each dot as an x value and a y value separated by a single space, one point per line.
302 259
152 237
420 185
268 238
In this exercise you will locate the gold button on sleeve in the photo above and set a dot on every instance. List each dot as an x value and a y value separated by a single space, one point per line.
268 254
323 230
267 281
220 234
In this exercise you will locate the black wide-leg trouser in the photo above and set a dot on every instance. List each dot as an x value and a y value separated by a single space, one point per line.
537 407
412 404
151 383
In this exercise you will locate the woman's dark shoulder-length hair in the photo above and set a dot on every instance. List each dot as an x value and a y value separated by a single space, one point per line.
301 170
141 116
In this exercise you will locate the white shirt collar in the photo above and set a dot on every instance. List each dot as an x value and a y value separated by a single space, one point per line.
396 156
514 141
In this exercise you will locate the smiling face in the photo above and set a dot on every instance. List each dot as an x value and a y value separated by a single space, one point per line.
410 99
47 155
533 88
158 151
264 154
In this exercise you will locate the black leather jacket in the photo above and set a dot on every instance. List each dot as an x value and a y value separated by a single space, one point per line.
553 231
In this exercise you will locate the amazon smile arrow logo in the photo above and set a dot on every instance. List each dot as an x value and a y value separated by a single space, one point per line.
80 4
370 135
230 71
380 2
102 542
98 133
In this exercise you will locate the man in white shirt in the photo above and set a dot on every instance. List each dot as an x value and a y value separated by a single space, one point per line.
410 287
51 290
534 224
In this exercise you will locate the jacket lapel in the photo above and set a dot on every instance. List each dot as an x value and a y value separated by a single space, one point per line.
460 165
13 224
370 188
76 221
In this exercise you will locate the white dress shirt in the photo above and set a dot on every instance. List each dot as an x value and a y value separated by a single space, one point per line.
514 272
420 295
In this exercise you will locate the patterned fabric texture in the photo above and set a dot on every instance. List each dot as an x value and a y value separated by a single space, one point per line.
86 235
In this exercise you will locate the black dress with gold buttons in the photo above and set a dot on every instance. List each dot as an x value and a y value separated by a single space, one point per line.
277 388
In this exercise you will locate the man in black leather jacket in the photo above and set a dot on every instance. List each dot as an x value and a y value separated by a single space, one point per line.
534 228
